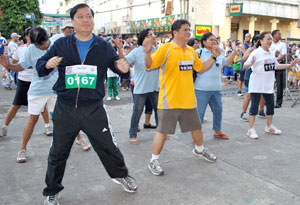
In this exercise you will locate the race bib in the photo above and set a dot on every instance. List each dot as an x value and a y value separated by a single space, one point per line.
185 65
269 65
81 76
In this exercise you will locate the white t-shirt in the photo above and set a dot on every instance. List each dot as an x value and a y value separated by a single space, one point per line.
279 46
11 48
263 75
25 75
111 74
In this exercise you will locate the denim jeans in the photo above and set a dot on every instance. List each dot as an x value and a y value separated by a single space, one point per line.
214 99
138 107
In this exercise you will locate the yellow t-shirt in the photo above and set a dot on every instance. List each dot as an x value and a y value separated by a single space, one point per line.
176 76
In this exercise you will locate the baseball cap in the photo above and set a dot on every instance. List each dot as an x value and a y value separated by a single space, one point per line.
66 24
15 35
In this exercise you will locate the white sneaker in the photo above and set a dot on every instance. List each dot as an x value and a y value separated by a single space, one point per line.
252 134
52 200
108 98
117 98
83 143
273 130
21 156
3 131
48 131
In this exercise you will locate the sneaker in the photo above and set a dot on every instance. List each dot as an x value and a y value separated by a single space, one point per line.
108 98
83 143
273 130
240 94
261 114
244 117
3 131
51 200
235 82
224 84
155 168
117 98
48 131
123 89
206 155
128 183
252 134
21 156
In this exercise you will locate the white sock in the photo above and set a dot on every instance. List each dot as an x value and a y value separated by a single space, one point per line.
154 157
4 126
199 148
47 125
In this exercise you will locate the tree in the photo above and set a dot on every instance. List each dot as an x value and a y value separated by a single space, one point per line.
12 17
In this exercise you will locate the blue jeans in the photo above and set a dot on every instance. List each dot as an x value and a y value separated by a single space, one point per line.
138 107
214 99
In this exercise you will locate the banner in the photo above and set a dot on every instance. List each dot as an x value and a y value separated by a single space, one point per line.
236 9
200 30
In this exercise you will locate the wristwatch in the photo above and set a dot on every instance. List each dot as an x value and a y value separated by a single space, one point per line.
215 59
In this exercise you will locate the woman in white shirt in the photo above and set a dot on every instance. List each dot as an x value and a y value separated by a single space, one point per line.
261 82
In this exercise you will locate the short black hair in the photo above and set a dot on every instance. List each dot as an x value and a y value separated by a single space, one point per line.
142 36
191 42
274 32
38 35
263 34
27 31
205 37
177 25
78 6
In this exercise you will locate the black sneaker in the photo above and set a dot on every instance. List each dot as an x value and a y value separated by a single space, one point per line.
128 183
240 94
262 114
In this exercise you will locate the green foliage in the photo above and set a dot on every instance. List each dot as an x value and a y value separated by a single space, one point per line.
12 19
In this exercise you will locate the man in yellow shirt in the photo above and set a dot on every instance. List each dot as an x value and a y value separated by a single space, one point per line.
177 101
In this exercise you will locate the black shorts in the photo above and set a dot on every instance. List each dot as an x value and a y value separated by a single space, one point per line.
21 93
242 74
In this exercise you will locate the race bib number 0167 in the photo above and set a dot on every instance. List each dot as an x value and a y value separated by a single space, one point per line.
81 76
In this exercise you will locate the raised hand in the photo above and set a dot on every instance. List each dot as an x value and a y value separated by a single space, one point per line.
294 62
119 43
147 44
53 62
122 65
216 51
4 61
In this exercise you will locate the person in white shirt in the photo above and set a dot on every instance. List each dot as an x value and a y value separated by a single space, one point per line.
279 50
11 49
264 64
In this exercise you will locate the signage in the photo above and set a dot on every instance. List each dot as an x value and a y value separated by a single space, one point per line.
29 16
200 30
236 9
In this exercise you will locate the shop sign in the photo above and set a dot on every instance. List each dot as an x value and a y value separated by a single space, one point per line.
236 9
200 30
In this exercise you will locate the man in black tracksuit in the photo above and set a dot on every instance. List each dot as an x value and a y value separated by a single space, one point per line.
80 91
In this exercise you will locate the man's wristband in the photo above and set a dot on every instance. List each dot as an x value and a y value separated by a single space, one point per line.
214 58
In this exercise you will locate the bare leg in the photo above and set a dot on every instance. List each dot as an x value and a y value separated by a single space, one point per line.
158 143
198 137
251 121
147 119
246 102
269 120
45 115
29 129
11 114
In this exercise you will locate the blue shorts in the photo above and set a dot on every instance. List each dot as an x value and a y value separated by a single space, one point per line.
228 71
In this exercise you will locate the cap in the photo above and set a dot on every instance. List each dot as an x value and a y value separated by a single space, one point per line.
134 39
15 35
66 24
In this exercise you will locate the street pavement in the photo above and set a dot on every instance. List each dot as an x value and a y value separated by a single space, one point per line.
263 171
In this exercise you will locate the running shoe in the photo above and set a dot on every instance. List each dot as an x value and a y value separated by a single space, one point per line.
51 200
48 131
108 98
83 143
244 117
273 130
117 98
3 131
261 114
252 134
155 168
21 156
240 94
128 183
206 155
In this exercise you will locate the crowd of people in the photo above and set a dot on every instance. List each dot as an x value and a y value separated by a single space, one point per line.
177 78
